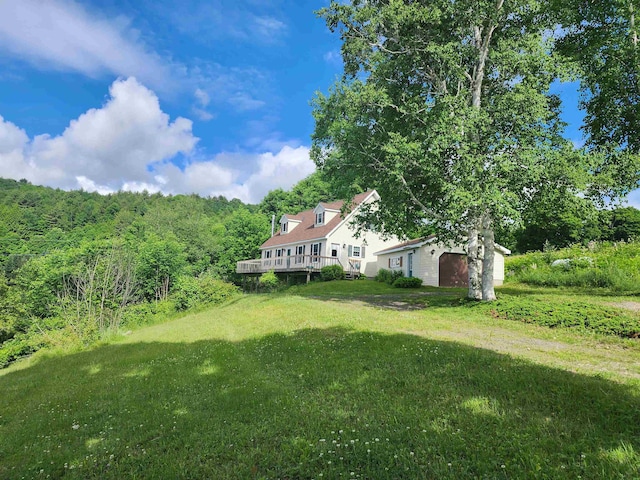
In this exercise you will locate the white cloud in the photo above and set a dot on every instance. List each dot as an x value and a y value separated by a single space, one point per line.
212 20
333 57
106 146
202 114
131 144
241 88
268 28
243 102
63 35
281 170
202 97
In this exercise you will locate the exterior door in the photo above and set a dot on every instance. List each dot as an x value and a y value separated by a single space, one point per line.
410 265
453 270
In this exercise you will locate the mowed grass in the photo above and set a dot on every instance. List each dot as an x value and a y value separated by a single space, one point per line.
307 385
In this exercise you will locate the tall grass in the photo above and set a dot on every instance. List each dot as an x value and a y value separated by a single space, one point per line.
614 266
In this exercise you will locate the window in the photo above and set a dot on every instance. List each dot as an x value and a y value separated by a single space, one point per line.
335 248
356 251
279 253
267 257
315 251
395 262
284 227
300 253
320 218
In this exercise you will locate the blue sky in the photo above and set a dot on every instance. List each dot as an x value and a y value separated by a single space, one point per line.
205 96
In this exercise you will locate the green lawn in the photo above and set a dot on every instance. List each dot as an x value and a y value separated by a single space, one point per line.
327 382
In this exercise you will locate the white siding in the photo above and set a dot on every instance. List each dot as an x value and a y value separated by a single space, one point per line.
344 236
426 264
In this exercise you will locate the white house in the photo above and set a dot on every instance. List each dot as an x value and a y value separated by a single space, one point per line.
310 240
437 264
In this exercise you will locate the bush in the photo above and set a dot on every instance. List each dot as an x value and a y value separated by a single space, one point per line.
388 276
204 290
19 346
407 282
332 272
269 281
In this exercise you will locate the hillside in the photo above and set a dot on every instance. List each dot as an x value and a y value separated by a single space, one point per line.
608 266
324 382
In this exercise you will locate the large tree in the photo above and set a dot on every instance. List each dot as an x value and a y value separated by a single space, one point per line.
444 107
602 38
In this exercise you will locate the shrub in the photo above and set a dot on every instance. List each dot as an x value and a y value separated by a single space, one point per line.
19 346
388 276
204 290
269 281
407 282
332 272
383 275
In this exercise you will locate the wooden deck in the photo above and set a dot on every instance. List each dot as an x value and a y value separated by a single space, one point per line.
294 264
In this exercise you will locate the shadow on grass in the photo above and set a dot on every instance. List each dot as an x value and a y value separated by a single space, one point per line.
318 401
381 295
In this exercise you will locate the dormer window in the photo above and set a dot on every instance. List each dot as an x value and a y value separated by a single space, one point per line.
284 227
320 218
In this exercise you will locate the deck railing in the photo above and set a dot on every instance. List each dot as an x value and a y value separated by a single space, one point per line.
293 263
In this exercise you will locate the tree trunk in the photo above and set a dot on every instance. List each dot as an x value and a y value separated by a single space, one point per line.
473 263
488 243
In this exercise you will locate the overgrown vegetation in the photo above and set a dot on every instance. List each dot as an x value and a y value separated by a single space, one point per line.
614 266
575 314
77 267
269 281
388 276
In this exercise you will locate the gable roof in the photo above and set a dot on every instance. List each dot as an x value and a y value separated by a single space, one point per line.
419 242
306 229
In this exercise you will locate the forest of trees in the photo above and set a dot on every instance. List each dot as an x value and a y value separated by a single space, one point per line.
75 266
78 265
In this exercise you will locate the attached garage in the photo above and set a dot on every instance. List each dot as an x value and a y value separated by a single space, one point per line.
438 264
453 270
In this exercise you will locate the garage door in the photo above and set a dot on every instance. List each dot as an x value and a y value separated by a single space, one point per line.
453 271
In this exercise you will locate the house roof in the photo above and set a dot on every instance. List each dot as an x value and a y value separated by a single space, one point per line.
419 242
306 230
415 243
